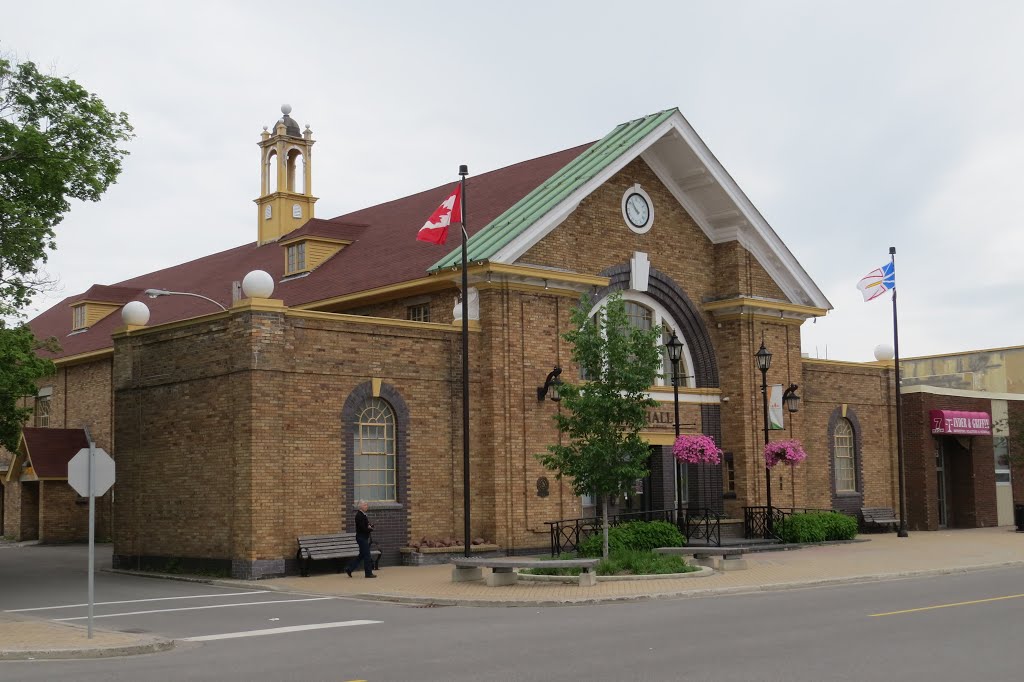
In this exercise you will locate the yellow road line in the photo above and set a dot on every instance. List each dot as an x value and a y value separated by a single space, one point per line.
946 606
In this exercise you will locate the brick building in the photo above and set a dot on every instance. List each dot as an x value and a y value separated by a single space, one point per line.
242 421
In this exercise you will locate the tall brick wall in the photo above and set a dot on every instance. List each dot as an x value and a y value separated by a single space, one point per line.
970 465
1016 414
865 395
61 517
240 423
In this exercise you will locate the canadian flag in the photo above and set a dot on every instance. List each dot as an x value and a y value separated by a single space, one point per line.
435 230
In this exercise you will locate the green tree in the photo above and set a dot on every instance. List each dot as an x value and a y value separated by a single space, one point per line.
57 142
603 415
20 366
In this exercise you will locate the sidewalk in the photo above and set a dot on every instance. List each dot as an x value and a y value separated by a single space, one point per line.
882 557
23 638
885 556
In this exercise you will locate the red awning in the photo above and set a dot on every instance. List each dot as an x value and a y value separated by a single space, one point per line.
960 423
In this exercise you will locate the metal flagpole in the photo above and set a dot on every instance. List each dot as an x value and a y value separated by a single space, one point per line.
464 171
92 524
899 404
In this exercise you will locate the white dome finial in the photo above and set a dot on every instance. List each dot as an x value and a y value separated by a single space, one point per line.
135 313
286 109
883 352
258 284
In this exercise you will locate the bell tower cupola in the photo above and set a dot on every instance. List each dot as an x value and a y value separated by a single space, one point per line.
286 198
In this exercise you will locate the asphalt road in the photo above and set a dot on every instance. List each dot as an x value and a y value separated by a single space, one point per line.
833 633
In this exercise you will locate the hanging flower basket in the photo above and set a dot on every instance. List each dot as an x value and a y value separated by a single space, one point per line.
697 449
789 452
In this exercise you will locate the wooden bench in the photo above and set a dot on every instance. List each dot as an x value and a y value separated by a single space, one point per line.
337 546
879 517
503 569
722 558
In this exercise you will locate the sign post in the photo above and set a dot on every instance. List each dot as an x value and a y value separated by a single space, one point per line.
91 473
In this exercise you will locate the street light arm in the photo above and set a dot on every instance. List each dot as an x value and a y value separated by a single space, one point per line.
154 293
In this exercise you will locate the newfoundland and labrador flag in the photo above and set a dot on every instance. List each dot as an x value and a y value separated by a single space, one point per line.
435 230
878 281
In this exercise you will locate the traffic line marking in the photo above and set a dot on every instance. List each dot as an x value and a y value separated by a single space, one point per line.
279 631
946 606
136 601
196 608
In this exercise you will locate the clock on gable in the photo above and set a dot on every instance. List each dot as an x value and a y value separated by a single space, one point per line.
637 209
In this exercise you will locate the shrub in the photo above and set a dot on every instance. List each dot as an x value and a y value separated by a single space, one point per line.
818 527
625 562
634 562
840 526
641 536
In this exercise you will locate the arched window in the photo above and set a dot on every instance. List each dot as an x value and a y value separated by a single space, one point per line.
845 457
645 313
375 463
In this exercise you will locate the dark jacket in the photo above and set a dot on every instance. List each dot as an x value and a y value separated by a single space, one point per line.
363 525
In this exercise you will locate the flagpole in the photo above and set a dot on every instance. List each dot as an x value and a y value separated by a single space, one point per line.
464 171
899 405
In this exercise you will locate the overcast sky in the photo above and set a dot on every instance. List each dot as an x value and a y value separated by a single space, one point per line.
852 126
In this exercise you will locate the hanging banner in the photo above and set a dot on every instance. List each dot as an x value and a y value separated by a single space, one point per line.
775 420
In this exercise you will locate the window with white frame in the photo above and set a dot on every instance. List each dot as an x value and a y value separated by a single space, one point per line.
844 457
418 313
645 313
374 456
78 313
41 411
296 258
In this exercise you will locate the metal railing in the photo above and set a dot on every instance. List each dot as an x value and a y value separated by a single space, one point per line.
756 525
694 524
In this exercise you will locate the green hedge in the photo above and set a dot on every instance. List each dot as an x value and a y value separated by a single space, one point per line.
625 562
818 527
638 536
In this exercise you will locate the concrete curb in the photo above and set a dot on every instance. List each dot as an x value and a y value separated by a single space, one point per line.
690 593
679 594
701 572
152 647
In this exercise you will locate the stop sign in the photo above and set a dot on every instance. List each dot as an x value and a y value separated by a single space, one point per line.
103 472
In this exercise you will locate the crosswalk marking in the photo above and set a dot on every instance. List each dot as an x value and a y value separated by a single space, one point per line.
279 631
197 608
135 601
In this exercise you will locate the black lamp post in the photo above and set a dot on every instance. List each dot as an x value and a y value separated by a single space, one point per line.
675 351
764 361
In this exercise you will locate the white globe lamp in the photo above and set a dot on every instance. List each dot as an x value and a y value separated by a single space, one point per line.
135 313
884 352
258 284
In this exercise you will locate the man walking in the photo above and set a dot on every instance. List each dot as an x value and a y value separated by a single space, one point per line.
363 530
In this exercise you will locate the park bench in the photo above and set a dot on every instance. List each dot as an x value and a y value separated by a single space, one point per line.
337 546
879 517
722 558
503 569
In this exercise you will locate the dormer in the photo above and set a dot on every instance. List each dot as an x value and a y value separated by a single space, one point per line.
306 252
98 302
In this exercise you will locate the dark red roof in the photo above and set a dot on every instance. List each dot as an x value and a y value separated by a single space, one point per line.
384 251
51 449
106 294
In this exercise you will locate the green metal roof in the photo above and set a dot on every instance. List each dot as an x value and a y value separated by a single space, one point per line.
528 210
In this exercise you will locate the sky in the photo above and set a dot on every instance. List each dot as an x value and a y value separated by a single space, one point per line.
851 126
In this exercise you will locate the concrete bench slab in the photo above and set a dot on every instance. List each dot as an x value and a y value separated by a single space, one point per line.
503 570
